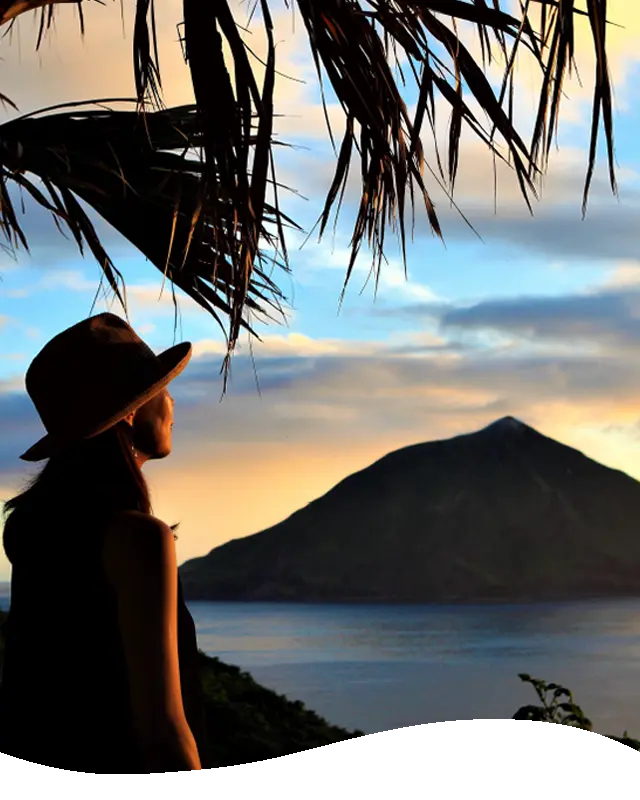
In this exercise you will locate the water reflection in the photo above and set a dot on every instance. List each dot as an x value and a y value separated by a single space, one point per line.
379 667
382 667
266 633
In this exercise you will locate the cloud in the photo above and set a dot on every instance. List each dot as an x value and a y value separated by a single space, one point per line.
622 49
315 390
68 68
556 231
601 319
626 273
61 71
49 248
158 297
327 408
309 122
71 279
577 90
375 391
140 297
290 344
9 325
19 427
475 177
609 318
65 67
393 284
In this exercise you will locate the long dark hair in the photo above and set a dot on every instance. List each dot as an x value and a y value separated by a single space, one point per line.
93 478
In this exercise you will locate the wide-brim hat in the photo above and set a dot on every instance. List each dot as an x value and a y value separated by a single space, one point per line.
91 376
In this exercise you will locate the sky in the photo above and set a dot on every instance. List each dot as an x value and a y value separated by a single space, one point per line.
535 317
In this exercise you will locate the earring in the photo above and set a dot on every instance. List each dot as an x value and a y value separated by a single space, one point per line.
133 450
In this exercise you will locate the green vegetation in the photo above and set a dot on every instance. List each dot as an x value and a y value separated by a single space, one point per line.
558 706
248 723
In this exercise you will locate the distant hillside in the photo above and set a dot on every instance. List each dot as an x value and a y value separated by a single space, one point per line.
503 513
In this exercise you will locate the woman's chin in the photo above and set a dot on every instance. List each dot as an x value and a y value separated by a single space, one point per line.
164 451
160 451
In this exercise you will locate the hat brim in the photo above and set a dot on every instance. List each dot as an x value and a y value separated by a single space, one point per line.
173 361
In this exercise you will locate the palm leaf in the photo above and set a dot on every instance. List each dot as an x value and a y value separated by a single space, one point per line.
351 44
125 166
10 9
378 124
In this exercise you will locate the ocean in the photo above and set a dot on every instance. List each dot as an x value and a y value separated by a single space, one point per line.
379 667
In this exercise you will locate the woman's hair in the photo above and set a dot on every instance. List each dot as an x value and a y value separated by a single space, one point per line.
93 478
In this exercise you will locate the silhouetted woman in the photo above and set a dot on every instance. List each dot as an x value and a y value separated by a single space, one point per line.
101 663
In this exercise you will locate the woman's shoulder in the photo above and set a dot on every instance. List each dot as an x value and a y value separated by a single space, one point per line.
134 533
132 520
138 547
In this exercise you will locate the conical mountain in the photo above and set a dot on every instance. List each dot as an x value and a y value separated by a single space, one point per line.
502 513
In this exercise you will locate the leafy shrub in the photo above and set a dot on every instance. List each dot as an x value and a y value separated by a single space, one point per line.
561 709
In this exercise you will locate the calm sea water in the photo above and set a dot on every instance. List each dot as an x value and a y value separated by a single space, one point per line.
382 667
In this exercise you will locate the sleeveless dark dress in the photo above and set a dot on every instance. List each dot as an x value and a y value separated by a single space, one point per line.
64 695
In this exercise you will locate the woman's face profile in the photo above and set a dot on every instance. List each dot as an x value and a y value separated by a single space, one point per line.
152 423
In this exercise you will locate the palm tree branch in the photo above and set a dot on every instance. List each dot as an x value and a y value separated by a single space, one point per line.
221 213
124 167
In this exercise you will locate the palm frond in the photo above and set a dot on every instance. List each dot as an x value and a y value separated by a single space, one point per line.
351 44
225 115
10 9
140 174
558 35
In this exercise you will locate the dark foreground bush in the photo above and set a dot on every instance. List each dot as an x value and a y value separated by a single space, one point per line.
557 705
247 722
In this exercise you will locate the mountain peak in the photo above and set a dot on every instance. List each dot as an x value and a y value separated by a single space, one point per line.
504 513
507 425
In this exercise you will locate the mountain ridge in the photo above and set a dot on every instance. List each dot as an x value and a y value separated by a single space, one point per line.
500 513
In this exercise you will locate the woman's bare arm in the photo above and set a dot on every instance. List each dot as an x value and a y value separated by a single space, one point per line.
140 562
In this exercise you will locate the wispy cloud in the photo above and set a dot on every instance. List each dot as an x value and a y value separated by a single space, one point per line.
328 407
71 279
393 283
142 296
609 318
626 273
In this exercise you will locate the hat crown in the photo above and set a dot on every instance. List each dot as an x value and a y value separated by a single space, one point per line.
88 369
